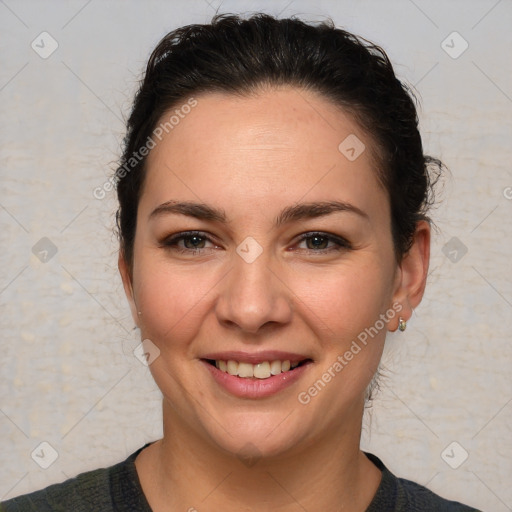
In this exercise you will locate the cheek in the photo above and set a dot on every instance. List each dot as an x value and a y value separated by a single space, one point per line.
172 301
343 308
343 301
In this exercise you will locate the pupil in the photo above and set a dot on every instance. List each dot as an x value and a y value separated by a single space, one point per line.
195 241
318 242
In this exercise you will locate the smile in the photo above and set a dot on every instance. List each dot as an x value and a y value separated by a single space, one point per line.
263 370
256 376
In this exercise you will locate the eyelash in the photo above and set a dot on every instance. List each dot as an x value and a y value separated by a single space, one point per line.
341 243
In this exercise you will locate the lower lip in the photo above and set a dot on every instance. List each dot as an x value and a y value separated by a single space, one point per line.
253 387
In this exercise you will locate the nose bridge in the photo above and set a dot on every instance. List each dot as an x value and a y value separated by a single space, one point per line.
253 295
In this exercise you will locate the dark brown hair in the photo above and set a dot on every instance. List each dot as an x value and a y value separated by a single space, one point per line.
238 56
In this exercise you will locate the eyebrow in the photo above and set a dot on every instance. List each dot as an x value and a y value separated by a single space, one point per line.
301 211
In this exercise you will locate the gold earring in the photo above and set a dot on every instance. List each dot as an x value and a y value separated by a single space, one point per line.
402 324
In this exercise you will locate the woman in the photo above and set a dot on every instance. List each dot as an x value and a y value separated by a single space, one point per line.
273 197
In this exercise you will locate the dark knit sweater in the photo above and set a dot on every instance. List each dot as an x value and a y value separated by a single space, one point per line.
117 489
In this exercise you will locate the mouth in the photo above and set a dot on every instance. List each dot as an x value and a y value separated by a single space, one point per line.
257 371
256 375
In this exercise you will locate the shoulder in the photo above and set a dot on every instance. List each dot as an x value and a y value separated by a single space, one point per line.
100 489
79 494
417 497
402 495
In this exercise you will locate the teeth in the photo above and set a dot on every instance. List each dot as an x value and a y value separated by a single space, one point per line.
232 367
275 367
262 370
245 370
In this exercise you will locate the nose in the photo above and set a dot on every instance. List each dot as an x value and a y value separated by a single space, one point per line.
253 297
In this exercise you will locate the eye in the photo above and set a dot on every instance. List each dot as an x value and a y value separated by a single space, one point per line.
188 242
195 242
319 242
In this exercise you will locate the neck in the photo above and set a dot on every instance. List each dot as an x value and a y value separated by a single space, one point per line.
183 471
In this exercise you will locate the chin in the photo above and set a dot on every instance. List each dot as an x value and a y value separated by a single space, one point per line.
263 435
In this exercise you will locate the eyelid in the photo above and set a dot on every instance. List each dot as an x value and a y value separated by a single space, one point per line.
176 237
342 243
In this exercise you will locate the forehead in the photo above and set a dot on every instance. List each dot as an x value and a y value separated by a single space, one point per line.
265 149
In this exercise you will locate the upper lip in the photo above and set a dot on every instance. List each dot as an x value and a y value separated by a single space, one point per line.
255 357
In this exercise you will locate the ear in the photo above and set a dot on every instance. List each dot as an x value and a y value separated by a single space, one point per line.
412 274
126 277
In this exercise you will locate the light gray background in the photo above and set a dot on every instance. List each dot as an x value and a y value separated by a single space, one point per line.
68 373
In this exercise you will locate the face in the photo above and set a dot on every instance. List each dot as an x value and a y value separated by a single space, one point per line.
260 242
